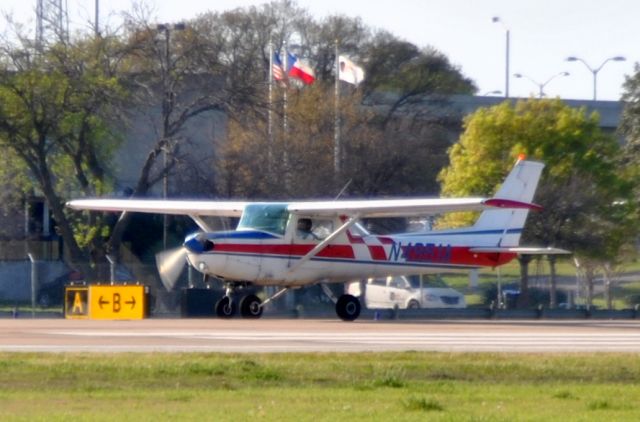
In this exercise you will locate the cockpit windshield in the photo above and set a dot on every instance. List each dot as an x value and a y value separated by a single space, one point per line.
270 218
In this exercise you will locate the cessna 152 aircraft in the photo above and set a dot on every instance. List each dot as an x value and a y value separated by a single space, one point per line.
292 244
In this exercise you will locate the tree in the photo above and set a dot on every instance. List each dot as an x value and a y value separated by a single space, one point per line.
400 67
630 122
584 194
396 149
55 105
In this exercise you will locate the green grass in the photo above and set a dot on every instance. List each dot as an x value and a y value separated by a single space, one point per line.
366 386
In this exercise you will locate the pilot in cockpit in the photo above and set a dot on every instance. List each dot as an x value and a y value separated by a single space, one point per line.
304 229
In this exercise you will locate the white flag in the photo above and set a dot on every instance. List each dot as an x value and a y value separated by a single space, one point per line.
349 71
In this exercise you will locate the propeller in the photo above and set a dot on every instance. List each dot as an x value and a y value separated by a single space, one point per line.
170 265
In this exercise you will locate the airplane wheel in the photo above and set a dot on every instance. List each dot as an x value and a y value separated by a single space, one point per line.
348 307
250 307
225 308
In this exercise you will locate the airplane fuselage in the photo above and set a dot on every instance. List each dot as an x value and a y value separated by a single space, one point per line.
269 259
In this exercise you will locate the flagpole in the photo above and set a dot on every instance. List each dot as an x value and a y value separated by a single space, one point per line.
270 111
336 128
285 123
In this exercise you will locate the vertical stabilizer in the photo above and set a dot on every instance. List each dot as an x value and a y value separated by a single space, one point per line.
520 185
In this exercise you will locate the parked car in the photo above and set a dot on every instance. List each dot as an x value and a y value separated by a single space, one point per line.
406 292
52 293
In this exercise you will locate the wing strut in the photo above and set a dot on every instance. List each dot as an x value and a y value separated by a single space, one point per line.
200 222
320 246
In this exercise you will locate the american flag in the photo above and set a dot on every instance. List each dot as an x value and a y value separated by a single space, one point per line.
278 70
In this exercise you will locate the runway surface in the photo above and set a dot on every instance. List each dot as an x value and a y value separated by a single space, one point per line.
270 335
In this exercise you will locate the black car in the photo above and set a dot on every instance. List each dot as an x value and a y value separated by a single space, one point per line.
52 293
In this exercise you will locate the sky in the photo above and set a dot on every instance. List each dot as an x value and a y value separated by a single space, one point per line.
542 34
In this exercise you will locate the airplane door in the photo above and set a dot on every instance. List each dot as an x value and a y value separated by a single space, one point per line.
306 233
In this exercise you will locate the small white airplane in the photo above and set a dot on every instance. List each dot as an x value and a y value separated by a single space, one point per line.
292 244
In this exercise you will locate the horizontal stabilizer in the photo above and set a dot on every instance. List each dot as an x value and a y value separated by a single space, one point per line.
523 250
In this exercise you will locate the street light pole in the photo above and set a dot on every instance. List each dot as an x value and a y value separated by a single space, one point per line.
543 84
167 108
596 70
507 50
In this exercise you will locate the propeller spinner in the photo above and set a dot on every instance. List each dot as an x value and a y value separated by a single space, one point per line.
170 265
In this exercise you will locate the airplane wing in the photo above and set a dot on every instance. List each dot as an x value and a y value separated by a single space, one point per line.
361 208
160 206
402 207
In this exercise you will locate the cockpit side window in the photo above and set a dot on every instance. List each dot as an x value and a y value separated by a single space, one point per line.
313 228
271 218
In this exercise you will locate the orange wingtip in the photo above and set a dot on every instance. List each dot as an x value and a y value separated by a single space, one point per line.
522 157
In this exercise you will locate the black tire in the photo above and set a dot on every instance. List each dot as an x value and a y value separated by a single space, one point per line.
413 305
348 308
250 307
225 307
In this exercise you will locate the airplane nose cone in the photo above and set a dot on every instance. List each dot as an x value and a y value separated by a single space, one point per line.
198 243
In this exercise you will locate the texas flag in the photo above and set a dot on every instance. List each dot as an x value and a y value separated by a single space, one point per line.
300 70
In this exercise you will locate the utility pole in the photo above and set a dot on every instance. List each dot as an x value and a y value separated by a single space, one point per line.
167 109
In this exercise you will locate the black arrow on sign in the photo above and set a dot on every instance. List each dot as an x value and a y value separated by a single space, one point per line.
103 302
132 302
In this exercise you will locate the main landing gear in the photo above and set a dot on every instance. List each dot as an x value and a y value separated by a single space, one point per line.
347 306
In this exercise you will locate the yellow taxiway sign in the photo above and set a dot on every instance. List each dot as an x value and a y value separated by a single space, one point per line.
105 302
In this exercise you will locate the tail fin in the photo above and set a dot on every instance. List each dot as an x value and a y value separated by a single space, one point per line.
520 185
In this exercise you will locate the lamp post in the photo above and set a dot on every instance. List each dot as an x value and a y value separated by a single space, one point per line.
496 19
596 70
543 84
167 108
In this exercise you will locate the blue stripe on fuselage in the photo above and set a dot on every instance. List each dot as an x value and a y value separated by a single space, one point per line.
239 234
458 233
350 261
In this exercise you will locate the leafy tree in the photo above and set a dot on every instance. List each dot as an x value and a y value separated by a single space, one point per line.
396 151
400 67
630 122
54 111
584 194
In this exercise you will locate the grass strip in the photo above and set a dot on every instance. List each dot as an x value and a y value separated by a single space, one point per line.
327 386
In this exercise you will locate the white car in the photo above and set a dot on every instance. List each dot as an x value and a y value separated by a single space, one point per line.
406 292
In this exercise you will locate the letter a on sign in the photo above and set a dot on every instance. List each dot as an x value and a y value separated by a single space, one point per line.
76 302
78 305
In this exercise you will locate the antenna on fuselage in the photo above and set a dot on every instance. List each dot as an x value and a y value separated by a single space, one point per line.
346 185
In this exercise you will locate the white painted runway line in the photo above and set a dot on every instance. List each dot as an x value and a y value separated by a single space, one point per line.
205 340
179 336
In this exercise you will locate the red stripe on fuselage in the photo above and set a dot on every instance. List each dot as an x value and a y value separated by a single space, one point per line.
464 256
330 251
377 252
456 255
